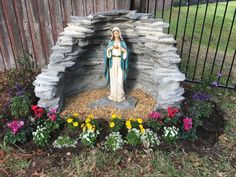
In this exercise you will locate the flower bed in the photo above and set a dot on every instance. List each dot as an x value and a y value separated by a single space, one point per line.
158 130
198 122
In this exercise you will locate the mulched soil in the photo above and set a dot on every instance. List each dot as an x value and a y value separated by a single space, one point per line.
79 104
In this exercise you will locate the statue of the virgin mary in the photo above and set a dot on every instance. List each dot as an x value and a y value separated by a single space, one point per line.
116 65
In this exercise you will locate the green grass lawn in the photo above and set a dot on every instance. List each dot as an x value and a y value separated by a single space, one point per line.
208 24
201 55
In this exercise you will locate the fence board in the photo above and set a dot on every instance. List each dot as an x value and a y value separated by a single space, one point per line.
19 16
5 44
2 65
13 30
56 18
89 7
34 24
46 28
66 11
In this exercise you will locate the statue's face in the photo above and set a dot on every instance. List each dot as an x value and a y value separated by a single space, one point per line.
116 34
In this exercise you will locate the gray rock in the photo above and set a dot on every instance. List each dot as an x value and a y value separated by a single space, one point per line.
129 103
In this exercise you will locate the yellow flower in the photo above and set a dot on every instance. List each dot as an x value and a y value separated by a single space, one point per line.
112 124
91 116
142 130
113 116
75 124
87 120
140 120
69 120
84 128
89 126
82 125
119 116
93 129
141 126
131 118
75 115
128 124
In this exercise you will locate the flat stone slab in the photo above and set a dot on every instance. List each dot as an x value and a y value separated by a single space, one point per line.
129 103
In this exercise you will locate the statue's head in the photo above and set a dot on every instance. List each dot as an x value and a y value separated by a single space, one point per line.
116 34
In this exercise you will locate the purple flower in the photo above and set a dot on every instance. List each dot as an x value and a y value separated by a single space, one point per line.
15 126
200 96
219 74
215 83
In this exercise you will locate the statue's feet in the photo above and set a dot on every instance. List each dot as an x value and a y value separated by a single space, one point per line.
121 99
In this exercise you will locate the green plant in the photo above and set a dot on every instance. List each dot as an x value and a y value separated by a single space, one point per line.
116 124
200 110
154 124
10 138
113 142
133 137
41 136
149 139
20 106
52 126
89 137
64 142
170 134
188 135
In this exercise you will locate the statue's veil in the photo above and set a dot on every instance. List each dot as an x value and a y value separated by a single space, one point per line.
116 29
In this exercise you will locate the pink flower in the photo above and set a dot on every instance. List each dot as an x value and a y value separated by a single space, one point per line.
172 112
52 114
15 126
187 123
53 117
154 115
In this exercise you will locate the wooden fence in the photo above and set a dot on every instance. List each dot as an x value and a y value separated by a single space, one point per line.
34 25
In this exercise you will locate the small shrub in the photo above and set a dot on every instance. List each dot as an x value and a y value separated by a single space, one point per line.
89 137
133 137
149 139
41 136
113 142
64 142
170 134
20 106
116 123
11 138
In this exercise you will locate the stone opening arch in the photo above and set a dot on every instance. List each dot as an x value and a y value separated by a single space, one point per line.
77 61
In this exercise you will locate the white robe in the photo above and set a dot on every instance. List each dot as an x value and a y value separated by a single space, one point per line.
117 93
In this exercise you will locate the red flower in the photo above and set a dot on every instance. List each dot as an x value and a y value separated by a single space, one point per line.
34 107
187 123
172 112
38 112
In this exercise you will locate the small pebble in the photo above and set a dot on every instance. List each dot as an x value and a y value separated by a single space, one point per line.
68 153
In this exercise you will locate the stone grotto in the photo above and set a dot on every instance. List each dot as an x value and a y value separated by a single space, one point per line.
77 60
